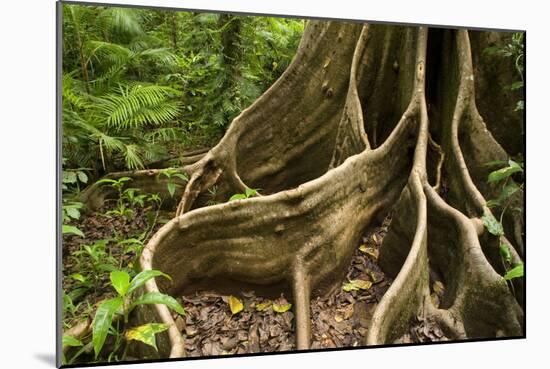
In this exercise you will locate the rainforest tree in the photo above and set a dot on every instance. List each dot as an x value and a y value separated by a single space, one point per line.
366 119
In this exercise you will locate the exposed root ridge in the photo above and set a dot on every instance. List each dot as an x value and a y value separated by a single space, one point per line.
147 181
477 301
352 138
276 144
301 292
300 235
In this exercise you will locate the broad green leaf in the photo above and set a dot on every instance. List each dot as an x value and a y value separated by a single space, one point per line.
69 177
72 212
515 272
82 177
281 308
120 281
69 229
158 298
146 333
235 305
79 277
238 196
505 253
171 188
493 226
70 341
503 173
249 192
181 176
102 322
143 276
106 180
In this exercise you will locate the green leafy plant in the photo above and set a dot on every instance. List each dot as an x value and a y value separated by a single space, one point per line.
128 297
93 260
71 211
513 49
515 272
249 192
502 177
69 341
73 178
124 197
171 174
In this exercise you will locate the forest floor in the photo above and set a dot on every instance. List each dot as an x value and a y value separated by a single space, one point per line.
339 319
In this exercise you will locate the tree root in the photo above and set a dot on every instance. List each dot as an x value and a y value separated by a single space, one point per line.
148 181
478 302
324 182
285 137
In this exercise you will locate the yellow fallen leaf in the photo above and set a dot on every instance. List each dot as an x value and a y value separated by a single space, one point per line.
235 305
371 251
362 284
281 308
356 284
264 305
338 318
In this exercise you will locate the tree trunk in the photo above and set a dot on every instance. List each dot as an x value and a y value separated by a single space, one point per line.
367 118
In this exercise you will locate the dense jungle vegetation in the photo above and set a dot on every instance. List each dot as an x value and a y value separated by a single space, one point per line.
139 85
139 88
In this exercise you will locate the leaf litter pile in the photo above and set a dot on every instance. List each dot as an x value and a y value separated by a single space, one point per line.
227 325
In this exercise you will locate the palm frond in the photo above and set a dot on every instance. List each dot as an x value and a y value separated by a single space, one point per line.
164 134
124 21
72 91
132 157
162 55
108 51
133 106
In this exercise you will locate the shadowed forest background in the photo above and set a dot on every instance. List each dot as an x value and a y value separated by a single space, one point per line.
240 184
